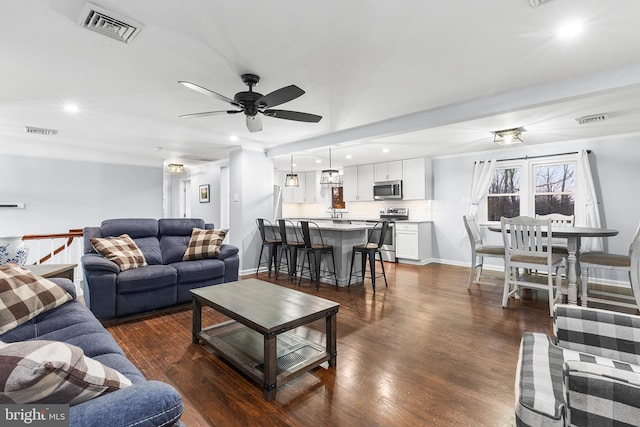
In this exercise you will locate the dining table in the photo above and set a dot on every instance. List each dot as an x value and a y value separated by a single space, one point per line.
573 235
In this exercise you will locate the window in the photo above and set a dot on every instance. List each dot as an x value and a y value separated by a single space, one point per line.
504 194
533 187
555 189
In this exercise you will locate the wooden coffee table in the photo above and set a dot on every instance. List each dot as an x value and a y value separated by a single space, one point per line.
258 340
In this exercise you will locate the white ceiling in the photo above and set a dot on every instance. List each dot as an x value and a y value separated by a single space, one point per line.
421 78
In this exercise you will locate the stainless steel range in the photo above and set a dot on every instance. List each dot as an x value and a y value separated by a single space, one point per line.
388 249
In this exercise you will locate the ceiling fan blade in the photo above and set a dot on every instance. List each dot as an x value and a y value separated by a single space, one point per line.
293 115
279 96
209 113
254 123
206 91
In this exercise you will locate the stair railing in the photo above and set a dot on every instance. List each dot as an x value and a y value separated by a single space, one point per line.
57 248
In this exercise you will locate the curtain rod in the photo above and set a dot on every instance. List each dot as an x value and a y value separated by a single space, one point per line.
535 157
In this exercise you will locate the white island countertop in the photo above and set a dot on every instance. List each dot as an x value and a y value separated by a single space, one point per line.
338 225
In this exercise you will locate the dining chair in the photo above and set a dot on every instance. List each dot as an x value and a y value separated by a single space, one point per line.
559 220
629 263
527 243
270 240
478 252
369 250
292 241
317 250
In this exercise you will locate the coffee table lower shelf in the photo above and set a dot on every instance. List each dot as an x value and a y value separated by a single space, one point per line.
244 348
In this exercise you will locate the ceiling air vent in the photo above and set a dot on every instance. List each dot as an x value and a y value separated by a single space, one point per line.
109 23
40 131
592 118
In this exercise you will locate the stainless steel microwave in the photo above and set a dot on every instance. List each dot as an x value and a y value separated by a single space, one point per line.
387 190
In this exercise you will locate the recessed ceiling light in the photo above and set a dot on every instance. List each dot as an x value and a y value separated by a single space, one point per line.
318 161
71 108
233 138
348 156
570 29
385 150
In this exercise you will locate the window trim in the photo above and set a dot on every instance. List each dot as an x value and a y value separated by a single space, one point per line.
527 181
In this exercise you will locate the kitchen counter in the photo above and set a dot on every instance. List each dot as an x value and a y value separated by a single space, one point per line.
342 236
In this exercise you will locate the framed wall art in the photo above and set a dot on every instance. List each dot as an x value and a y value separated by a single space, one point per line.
204 193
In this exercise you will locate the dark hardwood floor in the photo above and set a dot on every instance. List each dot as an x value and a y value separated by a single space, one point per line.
424 351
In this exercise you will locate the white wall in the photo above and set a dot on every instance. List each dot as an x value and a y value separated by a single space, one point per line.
202 175
61 194
251 193
615 163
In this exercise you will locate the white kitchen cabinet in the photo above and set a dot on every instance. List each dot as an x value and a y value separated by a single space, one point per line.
312 187
413 179
388 171
293 194
413 242
357 182
308 190
365 183
350 183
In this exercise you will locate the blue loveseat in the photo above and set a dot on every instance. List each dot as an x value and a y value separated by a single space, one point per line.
145 403
165 281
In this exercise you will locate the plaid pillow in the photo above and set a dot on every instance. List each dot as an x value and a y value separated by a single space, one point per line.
122 250
53 372
24 295
204 244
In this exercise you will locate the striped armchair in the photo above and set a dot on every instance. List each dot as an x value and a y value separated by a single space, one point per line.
588 375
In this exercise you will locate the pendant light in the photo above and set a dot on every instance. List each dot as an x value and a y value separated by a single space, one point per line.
330 176
291 179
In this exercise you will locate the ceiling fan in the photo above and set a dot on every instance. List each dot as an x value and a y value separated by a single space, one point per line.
253 103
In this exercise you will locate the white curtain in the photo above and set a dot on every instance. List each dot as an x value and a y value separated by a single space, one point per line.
483 174
587 212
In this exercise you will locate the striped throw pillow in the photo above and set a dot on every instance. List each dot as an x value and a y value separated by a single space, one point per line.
53 372
122 250
24 295
204 244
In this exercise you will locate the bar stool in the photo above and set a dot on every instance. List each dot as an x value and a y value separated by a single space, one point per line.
369 250
317 250
269 240
292 241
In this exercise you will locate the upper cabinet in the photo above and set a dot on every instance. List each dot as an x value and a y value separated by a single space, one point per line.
416 176
294 194
308 190
312 187
388 171
357 182
413 179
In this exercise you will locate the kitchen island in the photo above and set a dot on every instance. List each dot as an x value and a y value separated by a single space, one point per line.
342 235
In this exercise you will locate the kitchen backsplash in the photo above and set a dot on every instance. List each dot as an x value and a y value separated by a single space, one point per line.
419 210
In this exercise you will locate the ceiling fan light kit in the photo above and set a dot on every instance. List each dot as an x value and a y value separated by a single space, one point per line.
508 136
253 103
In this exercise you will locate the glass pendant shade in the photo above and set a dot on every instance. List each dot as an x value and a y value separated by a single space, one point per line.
330 176
291 180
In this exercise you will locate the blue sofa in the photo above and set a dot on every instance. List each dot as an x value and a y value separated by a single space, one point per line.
165 281
143 404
